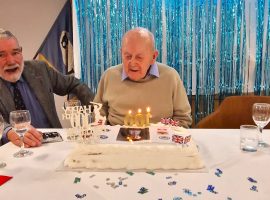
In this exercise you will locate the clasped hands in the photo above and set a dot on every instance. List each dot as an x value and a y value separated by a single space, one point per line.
32 138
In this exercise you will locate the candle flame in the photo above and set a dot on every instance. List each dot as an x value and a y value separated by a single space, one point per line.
148 109
139 110
129 112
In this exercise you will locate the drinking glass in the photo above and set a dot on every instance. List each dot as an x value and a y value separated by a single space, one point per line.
261 117
20 121
72 103
2 164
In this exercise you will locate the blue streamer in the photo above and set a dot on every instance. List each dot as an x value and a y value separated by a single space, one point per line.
191 41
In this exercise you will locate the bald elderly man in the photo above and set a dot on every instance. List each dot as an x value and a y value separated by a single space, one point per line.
141 82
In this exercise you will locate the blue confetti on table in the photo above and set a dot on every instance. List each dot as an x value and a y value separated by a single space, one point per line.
172 183
254 188
187 191
218 172
211 188
80 196
177 198
252 180
143 190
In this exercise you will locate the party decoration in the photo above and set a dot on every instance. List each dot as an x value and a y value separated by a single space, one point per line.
87 126
207 42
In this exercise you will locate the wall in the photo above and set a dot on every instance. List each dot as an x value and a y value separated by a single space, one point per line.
30 21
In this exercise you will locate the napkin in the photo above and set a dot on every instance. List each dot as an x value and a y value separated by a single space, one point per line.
4 179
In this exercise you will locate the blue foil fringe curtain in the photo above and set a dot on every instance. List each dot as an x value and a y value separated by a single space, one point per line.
206 41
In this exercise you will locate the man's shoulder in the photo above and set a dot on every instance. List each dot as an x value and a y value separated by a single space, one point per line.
114 70
163 68
34 65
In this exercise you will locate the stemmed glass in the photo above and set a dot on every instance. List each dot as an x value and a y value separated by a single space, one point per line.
20 121
2 164
261 117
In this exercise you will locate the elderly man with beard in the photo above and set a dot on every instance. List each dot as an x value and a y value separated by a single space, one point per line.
37 83
141 82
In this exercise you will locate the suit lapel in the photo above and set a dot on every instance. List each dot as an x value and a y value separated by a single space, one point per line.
35 82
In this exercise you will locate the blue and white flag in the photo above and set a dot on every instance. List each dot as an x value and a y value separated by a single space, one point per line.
57 48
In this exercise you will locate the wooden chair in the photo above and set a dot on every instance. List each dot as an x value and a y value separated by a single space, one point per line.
233 112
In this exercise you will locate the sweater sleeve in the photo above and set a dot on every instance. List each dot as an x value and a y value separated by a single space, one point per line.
181 106
99 96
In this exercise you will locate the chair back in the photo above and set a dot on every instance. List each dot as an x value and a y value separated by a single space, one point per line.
233 112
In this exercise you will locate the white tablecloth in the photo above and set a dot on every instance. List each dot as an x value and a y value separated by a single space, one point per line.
36 177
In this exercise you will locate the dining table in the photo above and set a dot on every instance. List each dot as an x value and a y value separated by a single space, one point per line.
229 173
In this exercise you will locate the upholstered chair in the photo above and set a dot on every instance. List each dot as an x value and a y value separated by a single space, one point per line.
233 112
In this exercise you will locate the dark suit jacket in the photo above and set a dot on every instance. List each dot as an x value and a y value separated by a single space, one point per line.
44 81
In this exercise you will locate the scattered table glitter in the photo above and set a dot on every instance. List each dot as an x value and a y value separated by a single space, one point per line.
218 172
130 173
229 198
187 191
254 188
177 198
96 186
252 180
143 190
172 183
80 196
77 180
168 177
150 172
211 188
92 176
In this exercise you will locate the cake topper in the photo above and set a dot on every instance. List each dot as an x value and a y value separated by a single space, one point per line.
86 125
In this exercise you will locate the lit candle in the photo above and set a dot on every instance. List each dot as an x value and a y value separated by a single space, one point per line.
129 121
147 116
139 119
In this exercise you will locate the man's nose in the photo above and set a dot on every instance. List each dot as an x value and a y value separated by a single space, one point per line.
132 61
10 59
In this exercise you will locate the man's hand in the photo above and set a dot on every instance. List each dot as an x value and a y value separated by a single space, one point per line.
32 138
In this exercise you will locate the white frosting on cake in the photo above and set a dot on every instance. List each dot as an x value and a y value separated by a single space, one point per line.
150 156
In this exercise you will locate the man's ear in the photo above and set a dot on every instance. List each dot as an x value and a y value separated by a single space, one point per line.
155 55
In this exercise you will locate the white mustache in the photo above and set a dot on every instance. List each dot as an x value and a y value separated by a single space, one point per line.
11 67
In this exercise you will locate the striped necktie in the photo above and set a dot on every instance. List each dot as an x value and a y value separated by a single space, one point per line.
18 100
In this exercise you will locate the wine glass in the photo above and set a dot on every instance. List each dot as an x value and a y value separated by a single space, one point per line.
2 164
261 117
20 121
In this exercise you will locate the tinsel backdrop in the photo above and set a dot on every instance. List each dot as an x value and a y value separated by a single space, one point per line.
208 42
